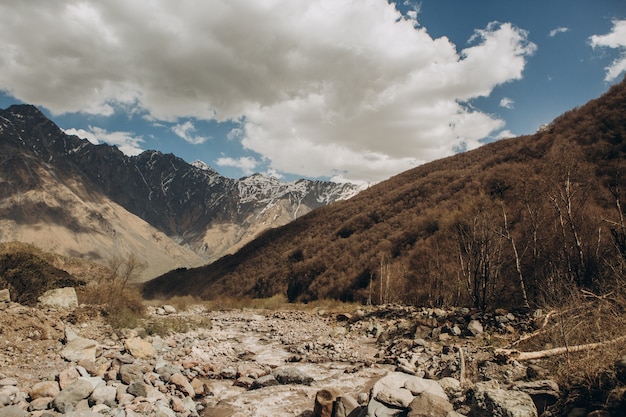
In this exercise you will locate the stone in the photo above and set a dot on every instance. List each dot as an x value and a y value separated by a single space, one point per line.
59 298
167 370
182 384
419 386
168 309
44 389
67 376
130 373
324 400
139 348
71 395
344 406
429 405
103 394
40 403
291 375
138 389
449 385
264 381
244 382
8 381
475 327
502 403
5 296
12 411
377 409
80 349
390 390
543 392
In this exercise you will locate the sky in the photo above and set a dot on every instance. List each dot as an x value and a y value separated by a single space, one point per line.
348 90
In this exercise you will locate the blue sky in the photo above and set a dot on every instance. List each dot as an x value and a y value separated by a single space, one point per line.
348 90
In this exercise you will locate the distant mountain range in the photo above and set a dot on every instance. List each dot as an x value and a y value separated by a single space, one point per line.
75 198
515 222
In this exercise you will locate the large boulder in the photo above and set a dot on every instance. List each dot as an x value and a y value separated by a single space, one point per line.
139 348
59 298
67 399
490 402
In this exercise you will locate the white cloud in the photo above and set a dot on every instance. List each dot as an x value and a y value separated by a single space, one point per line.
507 103
126 142
558 30
615 39
505 134
186 131
246 164
320 87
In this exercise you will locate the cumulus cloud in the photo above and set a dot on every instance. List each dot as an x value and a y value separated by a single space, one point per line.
126 142
186 131
558 30
507 103
615 39
319 87
246 164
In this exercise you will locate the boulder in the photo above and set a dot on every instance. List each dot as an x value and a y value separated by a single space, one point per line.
59 298
390 390
139 348
324 400
103 394
182 384
429 405
79 349
71 395
264 381
291 375
543 392
376 408
44 389
12 411
5 296
502 403
344 406
130 373
475 327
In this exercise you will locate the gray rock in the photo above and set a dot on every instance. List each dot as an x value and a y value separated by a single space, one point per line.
39 404
103 394
344 406
544 392
429 405
80 349
291 375
264 381
419 386
130 373
138 389
70 396
166 371
475 327
390 390
12 411
377 409
59 298
44 389
501 403
5 296
8 382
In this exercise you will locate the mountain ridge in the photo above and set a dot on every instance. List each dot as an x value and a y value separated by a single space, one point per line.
408 239
191 204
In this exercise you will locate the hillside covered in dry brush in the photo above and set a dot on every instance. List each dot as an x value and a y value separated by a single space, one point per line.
512 223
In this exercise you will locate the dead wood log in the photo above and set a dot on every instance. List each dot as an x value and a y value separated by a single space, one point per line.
510 354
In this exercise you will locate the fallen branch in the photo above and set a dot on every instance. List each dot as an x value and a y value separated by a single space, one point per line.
509 354
542 330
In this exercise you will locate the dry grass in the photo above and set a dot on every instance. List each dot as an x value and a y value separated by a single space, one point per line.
588 377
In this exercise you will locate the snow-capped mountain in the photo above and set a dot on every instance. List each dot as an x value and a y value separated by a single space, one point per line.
191 204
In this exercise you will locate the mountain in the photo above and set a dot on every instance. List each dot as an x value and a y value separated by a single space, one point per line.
80 199
513 222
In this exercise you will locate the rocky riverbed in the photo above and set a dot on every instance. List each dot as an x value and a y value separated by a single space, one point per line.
385 361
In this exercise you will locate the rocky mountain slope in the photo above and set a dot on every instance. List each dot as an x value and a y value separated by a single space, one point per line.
511 223
80 199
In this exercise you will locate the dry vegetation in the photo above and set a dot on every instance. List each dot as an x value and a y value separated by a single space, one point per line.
509 224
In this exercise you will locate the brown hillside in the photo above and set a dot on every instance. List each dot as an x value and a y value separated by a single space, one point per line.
523 216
